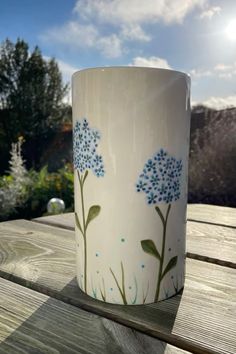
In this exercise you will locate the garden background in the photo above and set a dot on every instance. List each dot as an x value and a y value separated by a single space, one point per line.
36 140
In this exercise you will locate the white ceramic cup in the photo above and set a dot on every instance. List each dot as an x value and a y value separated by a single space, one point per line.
131 141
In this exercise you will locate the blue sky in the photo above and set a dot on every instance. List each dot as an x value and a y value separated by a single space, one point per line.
195 36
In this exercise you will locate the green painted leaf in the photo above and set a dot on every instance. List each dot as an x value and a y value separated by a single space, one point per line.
93 212
78 222
149 247
172 263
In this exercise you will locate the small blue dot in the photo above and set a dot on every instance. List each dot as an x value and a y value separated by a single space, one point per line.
97 254
130 287
111 289
122 240
143 266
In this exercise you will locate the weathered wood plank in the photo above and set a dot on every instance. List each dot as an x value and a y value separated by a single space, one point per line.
201 320
213 214
207 242
211 243
205 213
31 322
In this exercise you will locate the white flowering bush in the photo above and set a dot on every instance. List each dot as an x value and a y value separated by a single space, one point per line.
14 187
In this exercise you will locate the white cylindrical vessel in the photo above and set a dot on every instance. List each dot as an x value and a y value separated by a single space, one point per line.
131 142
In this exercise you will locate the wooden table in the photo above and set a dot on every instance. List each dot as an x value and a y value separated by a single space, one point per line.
43 311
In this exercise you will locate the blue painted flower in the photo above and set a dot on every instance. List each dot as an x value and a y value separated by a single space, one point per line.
141 186
85 142
160 178
151 198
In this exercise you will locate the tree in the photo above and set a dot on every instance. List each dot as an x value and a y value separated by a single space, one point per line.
31 97
212 165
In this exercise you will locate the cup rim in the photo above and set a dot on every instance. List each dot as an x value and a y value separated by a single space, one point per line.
129 68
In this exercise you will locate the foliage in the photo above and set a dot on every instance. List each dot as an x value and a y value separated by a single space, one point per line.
212 165
47 185
31 97
15 187
25 194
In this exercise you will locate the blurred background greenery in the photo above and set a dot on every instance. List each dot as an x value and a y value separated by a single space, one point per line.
36 140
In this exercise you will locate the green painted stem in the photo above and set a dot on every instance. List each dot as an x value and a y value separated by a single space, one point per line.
164 222
103 292
123 283
84 230
122 288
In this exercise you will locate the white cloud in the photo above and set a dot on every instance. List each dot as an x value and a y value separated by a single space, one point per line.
223 71
67 70
218 102
110 46
136 11
152 61
226 75
76 35
197 73
125 20
134 32
72 33
210 12
222 67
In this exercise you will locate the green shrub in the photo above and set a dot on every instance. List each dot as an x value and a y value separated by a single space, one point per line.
47 185
41 187
25 194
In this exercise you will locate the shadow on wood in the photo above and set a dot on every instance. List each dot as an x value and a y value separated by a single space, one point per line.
31 322
160 316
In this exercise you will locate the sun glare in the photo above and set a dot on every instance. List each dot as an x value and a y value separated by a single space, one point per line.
231 30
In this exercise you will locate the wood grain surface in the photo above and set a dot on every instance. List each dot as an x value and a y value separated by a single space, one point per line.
205 213
205 241
31 322
211 243
201 320
213 214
